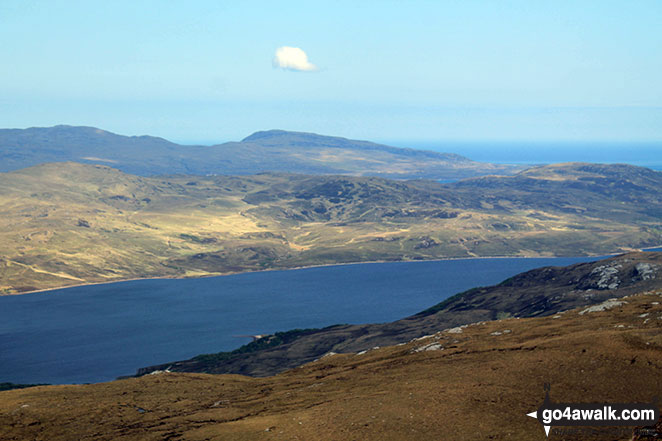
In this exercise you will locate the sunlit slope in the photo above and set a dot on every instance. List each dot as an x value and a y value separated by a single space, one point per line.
67 223
472 383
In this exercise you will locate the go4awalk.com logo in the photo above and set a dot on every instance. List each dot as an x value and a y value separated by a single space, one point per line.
594 414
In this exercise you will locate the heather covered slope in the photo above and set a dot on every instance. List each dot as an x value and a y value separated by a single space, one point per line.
67 224
593 190
539 292
269 151
475 383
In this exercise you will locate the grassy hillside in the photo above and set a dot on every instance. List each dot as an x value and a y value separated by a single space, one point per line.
478 382
273 151
67 223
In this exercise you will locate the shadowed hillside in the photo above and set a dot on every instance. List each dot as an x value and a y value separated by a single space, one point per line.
540 292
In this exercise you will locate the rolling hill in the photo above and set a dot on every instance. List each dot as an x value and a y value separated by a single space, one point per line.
67 224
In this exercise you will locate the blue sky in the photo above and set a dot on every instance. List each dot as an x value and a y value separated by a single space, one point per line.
201 71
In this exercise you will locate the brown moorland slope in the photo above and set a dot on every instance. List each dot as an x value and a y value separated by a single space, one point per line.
477 382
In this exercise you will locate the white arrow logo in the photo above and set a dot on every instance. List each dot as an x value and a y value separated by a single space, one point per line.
535 415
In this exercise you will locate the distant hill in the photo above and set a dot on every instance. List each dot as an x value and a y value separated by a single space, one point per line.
539 292
68 223
21 148
284 139
270 151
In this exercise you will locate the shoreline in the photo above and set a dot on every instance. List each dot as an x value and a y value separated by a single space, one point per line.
316 266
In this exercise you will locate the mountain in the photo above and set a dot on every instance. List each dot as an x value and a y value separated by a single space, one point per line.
540 292
275 151
68 224
476 382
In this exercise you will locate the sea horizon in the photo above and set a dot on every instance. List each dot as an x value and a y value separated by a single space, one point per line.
522 152
640 153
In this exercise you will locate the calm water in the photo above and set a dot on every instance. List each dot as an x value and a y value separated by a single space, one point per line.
96 333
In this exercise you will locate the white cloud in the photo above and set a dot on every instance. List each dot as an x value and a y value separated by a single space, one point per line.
293 58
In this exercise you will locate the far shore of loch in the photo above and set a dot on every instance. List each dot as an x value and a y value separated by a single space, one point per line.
230 273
